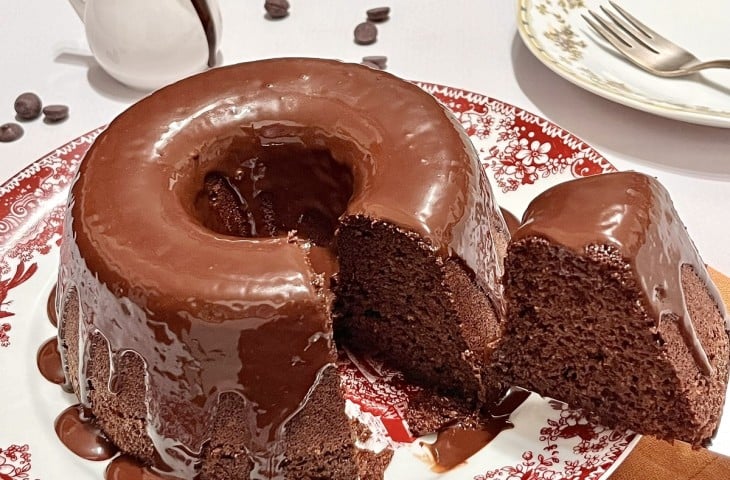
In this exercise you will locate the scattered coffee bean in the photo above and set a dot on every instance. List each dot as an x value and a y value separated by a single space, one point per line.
55 113
28 106
366 33
371 65
277 8
378 14
379 60
10 132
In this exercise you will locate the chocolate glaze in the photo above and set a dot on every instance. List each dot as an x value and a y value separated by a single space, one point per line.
456 443
509 218
51 307
211 313
80 435
48 360
269 198
206 18
633 213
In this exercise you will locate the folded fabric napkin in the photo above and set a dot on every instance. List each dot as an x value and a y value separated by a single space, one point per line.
654 459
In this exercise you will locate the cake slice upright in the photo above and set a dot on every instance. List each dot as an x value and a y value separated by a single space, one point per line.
611 309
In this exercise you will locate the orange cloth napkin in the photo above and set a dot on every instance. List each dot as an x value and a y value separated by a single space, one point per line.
654 459
722 283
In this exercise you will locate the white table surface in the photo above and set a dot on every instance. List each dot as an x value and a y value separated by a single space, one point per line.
472 44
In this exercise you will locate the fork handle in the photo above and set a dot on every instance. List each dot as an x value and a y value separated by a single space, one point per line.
710 64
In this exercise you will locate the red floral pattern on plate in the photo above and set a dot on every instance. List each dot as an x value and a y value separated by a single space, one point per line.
515 148
14 462
42 187
379 391
7 284
518 147
597 445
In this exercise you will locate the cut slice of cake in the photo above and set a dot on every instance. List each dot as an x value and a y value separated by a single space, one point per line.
612 310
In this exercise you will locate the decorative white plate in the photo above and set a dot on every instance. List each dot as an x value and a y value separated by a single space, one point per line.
523 155
558 36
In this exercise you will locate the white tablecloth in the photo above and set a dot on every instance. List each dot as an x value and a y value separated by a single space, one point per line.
472 44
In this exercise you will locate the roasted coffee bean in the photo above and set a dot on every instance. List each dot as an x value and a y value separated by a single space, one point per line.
379 60
10 132
366 33
55 113
371 65
378 14
277 8
28 106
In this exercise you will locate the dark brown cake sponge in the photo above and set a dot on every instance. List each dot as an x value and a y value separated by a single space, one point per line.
400 303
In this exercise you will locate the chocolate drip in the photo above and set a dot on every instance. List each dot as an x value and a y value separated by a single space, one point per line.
632 213
49 362
206 18
51 307
80 435
512 222
281 340
456 443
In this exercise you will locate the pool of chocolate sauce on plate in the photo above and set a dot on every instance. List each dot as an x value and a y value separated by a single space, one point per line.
78 432
49 362
124 467
456 443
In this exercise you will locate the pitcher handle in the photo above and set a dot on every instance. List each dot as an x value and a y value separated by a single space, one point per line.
79 6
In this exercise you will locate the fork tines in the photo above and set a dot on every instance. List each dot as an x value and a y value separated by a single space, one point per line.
629 31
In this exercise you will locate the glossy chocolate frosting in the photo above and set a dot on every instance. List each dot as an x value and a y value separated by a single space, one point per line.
212 313
634 214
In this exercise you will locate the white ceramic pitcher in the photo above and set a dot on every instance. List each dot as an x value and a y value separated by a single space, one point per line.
147 44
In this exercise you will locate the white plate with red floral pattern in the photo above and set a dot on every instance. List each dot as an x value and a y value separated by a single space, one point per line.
555 32
522 153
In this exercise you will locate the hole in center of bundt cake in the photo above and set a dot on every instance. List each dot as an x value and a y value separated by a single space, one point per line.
272 189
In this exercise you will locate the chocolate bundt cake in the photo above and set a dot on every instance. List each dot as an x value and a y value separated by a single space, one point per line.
611 309
206 232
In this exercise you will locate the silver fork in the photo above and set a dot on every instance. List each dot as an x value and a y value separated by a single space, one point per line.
644 47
